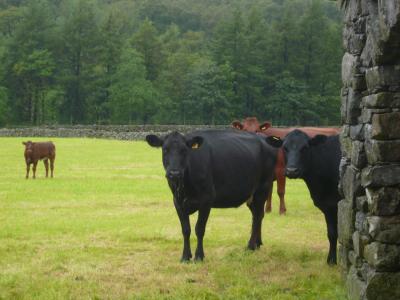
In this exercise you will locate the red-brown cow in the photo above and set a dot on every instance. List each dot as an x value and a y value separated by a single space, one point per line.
251 124
39 151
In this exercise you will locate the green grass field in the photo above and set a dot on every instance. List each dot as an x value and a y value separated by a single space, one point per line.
105 228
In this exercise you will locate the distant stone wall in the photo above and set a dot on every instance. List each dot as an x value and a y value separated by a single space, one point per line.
369 214
120 132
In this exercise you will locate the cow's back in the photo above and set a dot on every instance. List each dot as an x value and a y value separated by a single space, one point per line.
43 150
278 132
310 131
313 131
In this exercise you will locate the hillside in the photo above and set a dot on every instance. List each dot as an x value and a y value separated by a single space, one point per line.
169 62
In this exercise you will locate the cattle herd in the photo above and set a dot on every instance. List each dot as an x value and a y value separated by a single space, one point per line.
225 168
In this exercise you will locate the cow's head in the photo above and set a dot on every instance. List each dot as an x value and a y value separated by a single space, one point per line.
28 151
251 124
297 148
175 151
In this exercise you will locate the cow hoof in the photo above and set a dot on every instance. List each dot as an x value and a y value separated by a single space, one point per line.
331 262
199 258
199 255
268 210
282 212
251 247
186 258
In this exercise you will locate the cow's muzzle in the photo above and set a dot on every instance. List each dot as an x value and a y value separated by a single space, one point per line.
292 172
174 174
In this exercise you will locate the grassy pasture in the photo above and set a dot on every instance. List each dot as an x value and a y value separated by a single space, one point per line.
105 228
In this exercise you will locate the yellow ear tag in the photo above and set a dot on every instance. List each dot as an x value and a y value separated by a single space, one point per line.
263 128
195 146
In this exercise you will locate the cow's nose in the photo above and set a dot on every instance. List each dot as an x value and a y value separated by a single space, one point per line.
292 172
173 174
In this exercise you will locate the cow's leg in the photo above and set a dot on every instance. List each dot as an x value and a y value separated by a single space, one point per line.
281 180
331 224
52 167
268 204
34 169
185 224
46 166
28 166
200 230
281 183
257 211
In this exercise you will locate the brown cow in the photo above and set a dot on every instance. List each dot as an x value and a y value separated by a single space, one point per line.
251 124
39 151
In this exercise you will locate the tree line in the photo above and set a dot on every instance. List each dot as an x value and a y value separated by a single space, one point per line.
169 62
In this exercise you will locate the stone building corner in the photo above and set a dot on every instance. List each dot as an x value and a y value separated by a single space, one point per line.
369 214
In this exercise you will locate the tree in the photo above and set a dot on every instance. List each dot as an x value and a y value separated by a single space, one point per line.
288 101
78 52
132 96
109 52
35 71
241 44
30 63
186 50
4 118
9 19
208 90
146 42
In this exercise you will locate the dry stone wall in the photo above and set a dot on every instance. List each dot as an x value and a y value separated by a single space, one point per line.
120 132
369 214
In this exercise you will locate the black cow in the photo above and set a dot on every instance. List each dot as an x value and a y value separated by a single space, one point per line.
216 168
316 160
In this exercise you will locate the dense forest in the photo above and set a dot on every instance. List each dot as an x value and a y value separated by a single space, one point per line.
169 61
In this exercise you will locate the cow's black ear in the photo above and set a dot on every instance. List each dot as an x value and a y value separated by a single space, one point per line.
274 141
264 126
317 140
195 142
154 140
237 125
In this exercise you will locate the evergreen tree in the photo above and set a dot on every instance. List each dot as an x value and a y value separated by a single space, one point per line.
146 41
30 63
79 50
109 52
132 96
4 113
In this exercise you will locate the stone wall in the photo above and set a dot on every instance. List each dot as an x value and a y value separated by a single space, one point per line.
120 132
369 214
